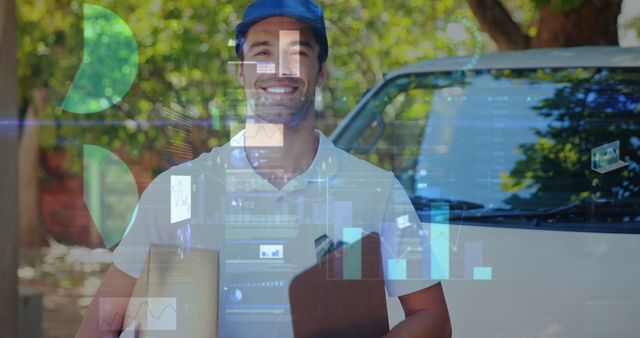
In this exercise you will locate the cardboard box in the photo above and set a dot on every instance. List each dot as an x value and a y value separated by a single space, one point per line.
175 296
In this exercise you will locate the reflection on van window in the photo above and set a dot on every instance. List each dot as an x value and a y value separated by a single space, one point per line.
551 146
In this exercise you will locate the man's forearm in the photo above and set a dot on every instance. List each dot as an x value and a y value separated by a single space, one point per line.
422 324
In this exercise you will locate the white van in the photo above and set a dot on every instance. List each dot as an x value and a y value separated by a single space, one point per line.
537 155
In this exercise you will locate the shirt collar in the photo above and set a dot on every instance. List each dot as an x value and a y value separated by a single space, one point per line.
322 168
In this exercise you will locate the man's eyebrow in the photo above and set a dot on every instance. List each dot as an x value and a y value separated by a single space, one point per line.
303 43
260 44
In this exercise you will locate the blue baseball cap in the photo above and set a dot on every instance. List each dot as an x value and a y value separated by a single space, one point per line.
306 11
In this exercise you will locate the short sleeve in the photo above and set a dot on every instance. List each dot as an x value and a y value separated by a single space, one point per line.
149 226
404 244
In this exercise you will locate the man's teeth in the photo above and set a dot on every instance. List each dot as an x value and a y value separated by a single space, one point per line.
280 90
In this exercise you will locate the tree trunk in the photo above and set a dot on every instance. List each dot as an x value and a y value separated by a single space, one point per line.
8 171
594 22
32 233
496 21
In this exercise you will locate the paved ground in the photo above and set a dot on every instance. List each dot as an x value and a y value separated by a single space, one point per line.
67 277
61 313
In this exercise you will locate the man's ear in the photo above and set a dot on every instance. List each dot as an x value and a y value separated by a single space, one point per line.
322 75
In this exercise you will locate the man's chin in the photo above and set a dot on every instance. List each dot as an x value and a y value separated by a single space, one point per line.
281 115
288 120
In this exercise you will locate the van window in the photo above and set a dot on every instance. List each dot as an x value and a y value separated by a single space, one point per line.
543 148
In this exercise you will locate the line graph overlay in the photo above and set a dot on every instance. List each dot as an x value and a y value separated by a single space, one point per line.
151 313
180 198
264 135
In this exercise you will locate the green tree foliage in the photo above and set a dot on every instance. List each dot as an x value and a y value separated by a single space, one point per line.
633 24
590 108
185 79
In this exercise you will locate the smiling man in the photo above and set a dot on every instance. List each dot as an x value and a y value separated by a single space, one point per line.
281 100
265 199
288 96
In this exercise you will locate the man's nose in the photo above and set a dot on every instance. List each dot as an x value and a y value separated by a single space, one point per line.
289 65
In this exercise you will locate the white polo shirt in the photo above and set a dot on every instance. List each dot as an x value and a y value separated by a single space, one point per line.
266 236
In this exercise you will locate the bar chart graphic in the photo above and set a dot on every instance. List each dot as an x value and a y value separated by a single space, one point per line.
482 273
440 259
434 251
352 260
474 267
397 269
472 257
271 251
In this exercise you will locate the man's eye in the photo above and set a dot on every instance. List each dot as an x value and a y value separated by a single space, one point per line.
299 52
260 53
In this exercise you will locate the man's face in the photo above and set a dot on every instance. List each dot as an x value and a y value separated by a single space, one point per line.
287 50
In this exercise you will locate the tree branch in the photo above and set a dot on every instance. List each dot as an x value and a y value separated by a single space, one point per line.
498 23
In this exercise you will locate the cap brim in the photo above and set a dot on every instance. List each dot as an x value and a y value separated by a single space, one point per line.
243 27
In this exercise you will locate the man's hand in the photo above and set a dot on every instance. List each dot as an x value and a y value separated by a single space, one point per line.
115 284
426 315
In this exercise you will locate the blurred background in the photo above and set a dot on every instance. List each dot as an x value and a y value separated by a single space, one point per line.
185 100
